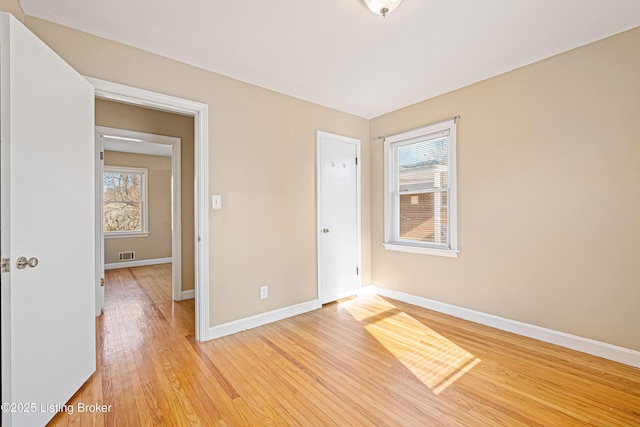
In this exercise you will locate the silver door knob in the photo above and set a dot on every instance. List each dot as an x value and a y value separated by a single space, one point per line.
325 230
23 262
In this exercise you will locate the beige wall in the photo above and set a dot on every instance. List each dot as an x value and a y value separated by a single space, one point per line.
261 160
549 166
158 243
14 7
548 180
122 116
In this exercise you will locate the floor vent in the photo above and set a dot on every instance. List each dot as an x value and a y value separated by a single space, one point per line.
126 256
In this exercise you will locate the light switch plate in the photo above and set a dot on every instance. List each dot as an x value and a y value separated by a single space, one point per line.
216 201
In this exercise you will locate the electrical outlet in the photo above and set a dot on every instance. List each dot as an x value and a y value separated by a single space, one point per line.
264 292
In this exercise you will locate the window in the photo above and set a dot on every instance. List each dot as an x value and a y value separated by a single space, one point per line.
420 197
124 201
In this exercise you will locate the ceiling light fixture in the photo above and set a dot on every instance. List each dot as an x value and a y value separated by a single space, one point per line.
382 7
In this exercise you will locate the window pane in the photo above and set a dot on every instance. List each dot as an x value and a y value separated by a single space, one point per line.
122 187
122 216
423 165
423 217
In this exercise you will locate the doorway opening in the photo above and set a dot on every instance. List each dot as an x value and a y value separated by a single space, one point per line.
140 207
108 91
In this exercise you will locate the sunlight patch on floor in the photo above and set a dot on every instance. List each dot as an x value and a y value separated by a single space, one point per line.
433 359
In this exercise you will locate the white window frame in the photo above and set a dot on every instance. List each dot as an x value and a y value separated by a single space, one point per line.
391 219
144 206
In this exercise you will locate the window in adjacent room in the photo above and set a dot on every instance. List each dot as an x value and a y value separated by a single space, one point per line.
124 201
420 196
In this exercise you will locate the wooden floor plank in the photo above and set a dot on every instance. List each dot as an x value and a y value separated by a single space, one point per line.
361 361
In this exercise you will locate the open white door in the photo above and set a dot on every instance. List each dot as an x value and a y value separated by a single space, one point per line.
47 213
338 216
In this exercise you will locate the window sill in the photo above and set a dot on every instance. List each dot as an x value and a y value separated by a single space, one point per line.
421 250
125 235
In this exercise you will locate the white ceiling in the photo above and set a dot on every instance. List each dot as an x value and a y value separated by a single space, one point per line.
338 54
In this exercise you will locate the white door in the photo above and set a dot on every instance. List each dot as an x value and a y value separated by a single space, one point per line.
47 213
338 216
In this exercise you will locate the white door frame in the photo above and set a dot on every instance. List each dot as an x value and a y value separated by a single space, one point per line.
200 113
141 139
320 136
99 213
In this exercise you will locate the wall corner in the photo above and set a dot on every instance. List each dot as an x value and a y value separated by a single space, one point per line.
13 7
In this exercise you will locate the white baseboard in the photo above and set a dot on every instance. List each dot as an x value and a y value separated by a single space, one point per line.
574 342
190 294
137 263
261 319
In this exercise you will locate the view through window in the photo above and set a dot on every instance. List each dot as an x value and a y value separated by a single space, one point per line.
124 192
422 190
420 209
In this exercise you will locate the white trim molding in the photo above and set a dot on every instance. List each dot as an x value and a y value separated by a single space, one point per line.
200 113
190 294
251 322
137 263
148 143
440 131
126 235
421 250
573 342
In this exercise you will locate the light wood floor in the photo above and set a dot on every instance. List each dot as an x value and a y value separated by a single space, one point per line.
363 362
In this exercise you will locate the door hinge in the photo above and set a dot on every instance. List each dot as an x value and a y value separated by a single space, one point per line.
6 265
102 155
356 161
102 281
357 271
